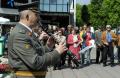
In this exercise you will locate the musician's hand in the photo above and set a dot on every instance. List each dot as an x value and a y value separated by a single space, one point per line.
61 48
43 35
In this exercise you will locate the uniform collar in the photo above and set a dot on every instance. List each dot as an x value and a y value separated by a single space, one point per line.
26 26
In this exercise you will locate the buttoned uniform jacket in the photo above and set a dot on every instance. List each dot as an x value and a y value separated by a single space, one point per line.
25 52
104 34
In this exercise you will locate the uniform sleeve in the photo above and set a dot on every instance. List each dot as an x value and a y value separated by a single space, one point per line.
29 55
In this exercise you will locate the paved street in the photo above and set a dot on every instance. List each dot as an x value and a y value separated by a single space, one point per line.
92 71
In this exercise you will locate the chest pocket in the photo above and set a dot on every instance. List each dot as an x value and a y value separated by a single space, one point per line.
36 45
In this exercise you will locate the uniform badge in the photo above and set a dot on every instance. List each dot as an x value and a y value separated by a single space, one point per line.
27 46
22 31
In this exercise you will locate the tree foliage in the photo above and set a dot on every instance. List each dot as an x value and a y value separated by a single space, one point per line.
85 14
79 21
94 10
104 12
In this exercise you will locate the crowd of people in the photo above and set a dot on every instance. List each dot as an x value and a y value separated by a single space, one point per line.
76 39
32 47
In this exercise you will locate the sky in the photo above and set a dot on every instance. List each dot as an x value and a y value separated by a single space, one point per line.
83 2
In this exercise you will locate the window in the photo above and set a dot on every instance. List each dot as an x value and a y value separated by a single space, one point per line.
65 1
46 7
52 8
46 1
41 7
59 1
59 8
55 5
65 8
53 1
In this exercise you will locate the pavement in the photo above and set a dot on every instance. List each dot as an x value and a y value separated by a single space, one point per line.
91 71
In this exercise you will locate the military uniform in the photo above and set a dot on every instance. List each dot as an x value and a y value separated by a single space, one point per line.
26 54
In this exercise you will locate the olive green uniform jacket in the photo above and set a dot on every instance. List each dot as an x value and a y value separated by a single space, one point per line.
25 52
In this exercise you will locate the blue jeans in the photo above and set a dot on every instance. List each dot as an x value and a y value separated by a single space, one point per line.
85 57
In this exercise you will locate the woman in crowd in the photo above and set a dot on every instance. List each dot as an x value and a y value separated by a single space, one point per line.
74 42
83 31
88 36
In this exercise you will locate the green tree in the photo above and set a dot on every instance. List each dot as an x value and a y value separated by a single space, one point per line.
111 10
104 12
78 15
85 14
95 15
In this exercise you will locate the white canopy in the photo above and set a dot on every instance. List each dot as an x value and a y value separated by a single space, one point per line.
4 20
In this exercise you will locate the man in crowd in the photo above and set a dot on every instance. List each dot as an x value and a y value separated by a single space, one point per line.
108 38
27 57
118 44
99 49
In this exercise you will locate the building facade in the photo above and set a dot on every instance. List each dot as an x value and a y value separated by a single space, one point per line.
58 12
9 10
54 12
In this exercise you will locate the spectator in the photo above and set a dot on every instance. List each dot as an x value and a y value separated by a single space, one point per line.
80 29
99 49
69 29
67 32
61 38
63 29
50 29
83 31
55 29
118 45
88 36
108 38
74 42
